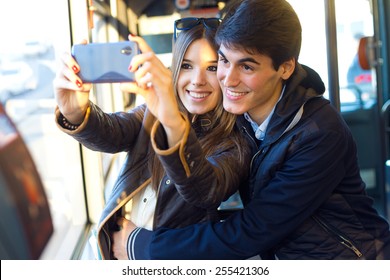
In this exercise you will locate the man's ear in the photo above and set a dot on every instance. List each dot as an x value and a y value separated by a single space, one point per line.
288 68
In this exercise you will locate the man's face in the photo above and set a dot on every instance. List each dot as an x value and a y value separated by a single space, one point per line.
249 82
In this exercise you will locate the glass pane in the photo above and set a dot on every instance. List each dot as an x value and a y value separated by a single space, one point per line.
30 48
313 50
357 83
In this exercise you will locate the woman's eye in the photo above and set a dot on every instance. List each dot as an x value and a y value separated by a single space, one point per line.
212 68
185 66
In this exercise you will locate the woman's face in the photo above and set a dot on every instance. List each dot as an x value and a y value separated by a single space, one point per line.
197 84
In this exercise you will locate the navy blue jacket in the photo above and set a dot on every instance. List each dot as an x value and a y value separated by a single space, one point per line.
305 198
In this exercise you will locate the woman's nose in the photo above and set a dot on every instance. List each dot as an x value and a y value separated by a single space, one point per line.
198 79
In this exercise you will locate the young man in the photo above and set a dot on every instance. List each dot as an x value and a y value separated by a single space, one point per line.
305 198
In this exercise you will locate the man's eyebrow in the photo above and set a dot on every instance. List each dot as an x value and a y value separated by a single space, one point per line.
221 54
242 60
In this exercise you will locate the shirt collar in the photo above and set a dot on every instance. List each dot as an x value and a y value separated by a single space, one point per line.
261 129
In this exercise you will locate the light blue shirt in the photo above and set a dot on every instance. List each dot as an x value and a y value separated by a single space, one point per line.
260 129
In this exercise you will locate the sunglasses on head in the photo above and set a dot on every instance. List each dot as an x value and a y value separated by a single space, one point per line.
190 22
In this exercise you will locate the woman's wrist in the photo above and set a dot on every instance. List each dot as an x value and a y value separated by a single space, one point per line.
65 123
175 133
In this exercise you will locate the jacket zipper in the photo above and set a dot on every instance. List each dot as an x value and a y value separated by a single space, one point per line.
253 140
108 241
157 203
342 239
120 205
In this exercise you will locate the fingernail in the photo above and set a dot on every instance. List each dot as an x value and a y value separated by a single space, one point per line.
130 67
78 83
75 69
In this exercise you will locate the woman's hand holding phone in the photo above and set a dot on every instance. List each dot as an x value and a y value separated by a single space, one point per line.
72 95
153 81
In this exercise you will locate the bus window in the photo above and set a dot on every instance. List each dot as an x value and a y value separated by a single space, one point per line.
357 85
31 45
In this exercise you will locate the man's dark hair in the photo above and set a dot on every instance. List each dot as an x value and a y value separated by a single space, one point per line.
268 27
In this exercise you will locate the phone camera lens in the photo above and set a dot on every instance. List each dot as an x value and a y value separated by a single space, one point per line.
127 50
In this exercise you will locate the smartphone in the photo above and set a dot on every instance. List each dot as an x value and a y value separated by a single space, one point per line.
105 62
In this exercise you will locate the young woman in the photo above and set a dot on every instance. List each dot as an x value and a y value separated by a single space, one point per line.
185 155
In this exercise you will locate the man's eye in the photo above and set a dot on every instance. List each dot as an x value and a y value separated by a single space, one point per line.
246 67
222 59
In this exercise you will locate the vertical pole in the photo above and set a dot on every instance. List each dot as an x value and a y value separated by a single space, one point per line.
331 44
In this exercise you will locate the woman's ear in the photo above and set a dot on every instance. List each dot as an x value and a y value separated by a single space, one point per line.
288 68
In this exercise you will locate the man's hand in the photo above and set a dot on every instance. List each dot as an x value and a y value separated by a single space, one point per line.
119 247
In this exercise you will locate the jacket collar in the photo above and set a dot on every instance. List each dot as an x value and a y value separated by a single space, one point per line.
304 85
